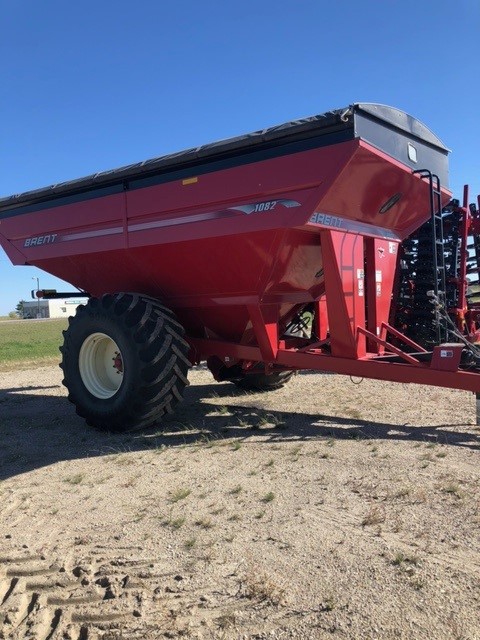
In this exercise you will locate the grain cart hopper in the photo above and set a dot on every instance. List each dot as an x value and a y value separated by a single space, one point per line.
261 255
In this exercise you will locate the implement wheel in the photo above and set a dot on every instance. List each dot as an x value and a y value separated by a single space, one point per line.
263 382
124 361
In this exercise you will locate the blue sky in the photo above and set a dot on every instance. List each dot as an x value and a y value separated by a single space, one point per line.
88 86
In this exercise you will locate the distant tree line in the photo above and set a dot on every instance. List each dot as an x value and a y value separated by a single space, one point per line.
18 313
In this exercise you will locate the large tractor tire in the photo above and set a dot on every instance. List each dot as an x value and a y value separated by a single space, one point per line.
125 361
262 381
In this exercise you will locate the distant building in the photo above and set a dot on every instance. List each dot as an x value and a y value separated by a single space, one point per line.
60 308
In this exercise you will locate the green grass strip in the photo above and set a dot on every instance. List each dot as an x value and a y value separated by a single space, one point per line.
30 340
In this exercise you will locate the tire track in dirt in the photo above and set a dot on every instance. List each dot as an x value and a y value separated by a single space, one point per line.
348 526
455 559
46 601
100 596
10 508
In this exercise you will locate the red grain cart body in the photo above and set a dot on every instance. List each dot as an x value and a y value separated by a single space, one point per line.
262 254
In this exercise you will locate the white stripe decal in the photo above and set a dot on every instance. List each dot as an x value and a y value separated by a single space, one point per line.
174 221
92 234
170 222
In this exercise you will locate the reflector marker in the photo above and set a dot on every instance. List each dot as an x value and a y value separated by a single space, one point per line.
189 181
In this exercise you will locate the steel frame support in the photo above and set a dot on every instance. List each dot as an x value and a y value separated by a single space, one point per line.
352 267
367 367
343 260
264 318
462 276
371 368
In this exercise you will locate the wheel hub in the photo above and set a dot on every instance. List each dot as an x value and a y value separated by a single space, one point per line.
100 364
118 362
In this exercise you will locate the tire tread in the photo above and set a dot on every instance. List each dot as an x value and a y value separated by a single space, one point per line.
161 357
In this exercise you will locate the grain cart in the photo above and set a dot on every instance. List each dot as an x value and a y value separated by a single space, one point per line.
261 255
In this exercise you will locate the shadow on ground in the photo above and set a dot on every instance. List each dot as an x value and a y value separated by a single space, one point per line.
38 429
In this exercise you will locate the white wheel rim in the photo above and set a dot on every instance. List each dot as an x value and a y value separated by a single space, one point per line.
101 365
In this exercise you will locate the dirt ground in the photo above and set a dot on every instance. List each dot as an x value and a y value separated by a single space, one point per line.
327 509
